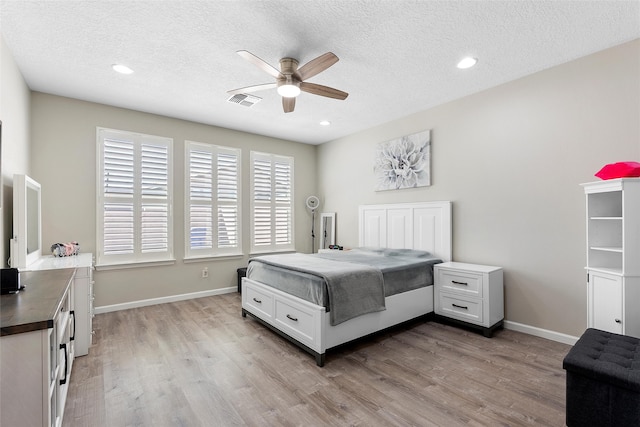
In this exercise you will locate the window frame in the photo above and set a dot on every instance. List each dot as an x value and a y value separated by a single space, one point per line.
273 204
215 250
138 257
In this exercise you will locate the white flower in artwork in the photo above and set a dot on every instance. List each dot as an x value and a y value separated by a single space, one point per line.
403 162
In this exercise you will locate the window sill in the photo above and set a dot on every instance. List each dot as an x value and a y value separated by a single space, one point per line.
283 251
193 259
103 267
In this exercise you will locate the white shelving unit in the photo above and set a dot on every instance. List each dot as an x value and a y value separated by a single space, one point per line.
613 255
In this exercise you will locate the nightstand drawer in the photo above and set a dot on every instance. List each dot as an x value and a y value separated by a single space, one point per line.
460 282
467 309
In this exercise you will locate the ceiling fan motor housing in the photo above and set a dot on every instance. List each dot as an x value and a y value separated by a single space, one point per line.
289 69
288 66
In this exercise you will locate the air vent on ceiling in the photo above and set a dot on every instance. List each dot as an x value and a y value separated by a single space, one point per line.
244 99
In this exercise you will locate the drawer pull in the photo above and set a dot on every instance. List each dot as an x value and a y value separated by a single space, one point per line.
460 306
66 363
73 337
459 283
291 318
257 300
618 321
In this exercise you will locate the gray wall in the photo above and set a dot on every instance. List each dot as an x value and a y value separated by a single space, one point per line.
64 162
511 159
14 113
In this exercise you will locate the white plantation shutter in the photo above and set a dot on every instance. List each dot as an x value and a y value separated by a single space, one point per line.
154 207
118 182
283 183
213 202
271 202
228 199
134 198
261 197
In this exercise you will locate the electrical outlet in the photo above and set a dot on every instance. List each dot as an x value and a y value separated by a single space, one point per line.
205 273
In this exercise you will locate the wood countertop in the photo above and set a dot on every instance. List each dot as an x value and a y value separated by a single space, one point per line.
35 307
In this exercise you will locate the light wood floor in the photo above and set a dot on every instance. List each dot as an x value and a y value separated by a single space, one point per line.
199 363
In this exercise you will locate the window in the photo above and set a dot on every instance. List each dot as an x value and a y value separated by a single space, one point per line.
271 203
212 208
135 195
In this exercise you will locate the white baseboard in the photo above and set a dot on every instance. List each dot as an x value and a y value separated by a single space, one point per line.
542 333
162 300
514 326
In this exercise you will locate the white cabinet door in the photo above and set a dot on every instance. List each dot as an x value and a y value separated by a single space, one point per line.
83 310
606 302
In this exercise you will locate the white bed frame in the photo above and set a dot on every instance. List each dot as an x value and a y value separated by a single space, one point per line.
424 226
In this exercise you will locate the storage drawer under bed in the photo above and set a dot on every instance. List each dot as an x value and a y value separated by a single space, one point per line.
294 319
260 302
299 319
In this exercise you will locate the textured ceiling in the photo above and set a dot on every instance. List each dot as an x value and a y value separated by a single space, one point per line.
396 57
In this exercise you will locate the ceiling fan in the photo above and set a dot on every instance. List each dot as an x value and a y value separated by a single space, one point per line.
290 80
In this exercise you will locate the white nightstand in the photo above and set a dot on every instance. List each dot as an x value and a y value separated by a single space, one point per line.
470 293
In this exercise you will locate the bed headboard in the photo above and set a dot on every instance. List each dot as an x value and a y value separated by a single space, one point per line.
424 225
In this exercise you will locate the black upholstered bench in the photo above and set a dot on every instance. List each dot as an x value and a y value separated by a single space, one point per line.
603 380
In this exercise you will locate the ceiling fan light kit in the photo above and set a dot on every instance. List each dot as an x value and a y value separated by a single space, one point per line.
289 90
290 80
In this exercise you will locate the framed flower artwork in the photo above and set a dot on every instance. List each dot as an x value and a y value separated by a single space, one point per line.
404 162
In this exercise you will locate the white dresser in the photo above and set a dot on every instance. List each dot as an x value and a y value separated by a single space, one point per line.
471 294
83 289
37 347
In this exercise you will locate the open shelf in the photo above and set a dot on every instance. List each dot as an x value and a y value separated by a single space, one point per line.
607 248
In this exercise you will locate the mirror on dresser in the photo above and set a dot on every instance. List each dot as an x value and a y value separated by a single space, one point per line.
26 244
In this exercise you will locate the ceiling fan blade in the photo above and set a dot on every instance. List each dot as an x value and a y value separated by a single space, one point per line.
327 91
288 104
253 88
264 66
317 65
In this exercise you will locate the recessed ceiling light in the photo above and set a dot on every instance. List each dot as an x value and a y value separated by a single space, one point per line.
325 123
467 62
122 69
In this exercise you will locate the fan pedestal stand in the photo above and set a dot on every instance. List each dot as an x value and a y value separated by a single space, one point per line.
313 234
312 203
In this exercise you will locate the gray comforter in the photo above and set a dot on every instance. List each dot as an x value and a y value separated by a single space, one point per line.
357 281
358 287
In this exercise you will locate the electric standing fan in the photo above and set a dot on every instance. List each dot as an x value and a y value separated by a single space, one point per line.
312 204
